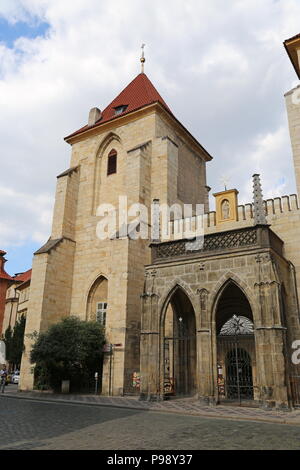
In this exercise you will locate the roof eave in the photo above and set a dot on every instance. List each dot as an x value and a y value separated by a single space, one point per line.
24 283
289 46
91 129
157 104
203 150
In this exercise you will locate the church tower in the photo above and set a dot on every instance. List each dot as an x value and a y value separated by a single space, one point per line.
134 148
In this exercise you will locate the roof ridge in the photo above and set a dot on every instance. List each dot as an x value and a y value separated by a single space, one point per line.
146 83
140 92
122 92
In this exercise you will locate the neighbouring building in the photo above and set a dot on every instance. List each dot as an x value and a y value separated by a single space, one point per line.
4 283
218 320
17 298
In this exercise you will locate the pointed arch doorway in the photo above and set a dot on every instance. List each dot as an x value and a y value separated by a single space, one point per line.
179 346
236 360
96 310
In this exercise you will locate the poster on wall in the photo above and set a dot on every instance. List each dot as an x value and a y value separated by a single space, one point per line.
136 380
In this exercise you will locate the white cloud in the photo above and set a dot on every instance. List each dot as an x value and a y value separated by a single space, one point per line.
268 157
220 66
34 216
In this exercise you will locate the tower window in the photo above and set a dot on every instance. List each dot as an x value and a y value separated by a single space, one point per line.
112 162
101 313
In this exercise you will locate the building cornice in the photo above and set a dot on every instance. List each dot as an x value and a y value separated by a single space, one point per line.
135 115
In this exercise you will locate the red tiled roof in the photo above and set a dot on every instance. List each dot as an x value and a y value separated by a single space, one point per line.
4 275
139 93
23 277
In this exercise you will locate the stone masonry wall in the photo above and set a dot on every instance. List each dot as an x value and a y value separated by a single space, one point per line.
293 112
259 275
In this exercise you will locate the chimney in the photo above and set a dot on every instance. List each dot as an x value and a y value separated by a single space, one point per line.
94 116
2 260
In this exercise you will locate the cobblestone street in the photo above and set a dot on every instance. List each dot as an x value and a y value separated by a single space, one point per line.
68 426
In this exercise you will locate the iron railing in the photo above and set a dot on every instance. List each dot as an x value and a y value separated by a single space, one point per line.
295 390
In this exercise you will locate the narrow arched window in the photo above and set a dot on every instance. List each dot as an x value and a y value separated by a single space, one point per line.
112 162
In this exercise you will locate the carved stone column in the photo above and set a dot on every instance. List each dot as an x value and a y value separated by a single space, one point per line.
204 353
271 367
149 362
270 336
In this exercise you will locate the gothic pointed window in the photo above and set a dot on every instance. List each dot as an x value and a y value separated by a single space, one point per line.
112 162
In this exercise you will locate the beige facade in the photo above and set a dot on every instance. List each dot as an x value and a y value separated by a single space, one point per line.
144 292
240 272
292 98
17 299
151 147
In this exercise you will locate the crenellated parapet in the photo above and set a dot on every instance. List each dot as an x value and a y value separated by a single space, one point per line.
277 210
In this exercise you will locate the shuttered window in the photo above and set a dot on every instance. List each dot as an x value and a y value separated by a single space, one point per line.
112 162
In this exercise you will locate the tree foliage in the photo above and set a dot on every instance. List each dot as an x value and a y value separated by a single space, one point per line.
68 350
14 342
8 340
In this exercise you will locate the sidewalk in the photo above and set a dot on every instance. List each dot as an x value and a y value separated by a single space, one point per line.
187 406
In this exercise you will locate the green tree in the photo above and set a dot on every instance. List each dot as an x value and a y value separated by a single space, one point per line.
8 340
68 350
14 342
17 342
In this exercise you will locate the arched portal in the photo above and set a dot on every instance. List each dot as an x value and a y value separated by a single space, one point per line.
179 346
236 364
96 310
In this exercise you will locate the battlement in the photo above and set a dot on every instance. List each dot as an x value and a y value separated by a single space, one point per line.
275 208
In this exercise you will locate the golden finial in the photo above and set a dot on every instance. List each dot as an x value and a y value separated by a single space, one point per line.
143 60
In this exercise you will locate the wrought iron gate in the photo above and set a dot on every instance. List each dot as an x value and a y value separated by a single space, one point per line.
295 389
294 379
177 365
236 350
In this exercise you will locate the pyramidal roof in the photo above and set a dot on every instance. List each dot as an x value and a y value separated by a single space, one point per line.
139 93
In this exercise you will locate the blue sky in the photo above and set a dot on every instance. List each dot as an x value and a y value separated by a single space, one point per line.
223 75
9 32
19 258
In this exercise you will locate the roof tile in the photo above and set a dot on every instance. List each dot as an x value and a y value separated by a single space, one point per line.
139 93
24 277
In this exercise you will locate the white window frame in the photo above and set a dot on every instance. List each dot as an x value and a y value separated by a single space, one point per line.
101 310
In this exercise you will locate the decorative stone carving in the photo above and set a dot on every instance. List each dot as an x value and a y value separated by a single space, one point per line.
226 206
225 209
203 294
259 211
258 258
214 241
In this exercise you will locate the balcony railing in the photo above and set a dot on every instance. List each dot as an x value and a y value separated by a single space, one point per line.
259 236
